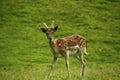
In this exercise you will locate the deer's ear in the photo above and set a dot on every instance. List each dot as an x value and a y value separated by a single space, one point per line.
55 28
43 30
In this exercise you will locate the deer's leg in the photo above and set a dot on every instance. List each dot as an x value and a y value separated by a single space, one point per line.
82 65
67 64
82 60
52 66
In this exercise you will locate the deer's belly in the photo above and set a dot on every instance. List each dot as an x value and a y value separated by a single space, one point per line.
71 53
58 55
73 50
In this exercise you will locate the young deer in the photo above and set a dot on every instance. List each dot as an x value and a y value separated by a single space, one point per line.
74 45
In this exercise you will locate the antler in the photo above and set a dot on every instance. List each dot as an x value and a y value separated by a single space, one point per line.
45 25
52 25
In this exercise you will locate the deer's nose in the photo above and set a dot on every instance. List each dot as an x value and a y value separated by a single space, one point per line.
50 38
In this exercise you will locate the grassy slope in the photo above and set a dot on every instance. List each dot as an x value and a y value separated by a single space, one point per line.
23 47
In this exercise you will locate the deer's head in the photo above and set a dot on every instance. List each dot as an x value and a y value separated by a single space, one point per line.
49 31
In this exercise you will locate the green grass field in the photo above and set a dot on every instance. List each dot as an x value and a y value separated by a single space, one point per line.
24 49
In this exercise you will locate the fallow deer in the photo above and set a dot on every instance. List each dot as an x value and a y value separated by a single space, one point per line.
74 45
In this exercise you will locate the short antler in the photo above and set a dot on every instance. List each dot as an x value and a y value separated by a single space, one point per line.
45 25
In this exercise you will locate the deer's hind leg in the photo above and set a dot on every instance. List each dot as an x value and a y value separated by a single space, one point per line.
80 57
82 65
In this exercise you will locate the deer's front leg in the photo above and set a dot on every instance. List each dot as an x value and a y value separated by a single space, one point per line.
67 63
52 66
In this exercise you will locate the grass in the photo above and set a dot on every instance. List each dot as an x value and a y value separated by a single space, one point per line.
24 49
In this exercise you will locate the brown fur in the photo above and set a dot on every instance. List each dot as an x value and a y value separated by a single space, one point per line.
62 44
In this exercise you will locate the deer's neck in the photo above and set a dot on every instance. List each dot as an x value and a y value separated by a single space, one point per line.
51 42
53 47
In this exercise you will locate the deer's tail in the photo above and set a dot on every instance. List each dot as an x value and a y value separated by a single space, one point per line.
85 49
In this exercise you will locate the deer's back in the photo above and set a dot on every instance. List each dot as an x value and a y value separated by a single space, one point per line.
70 42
